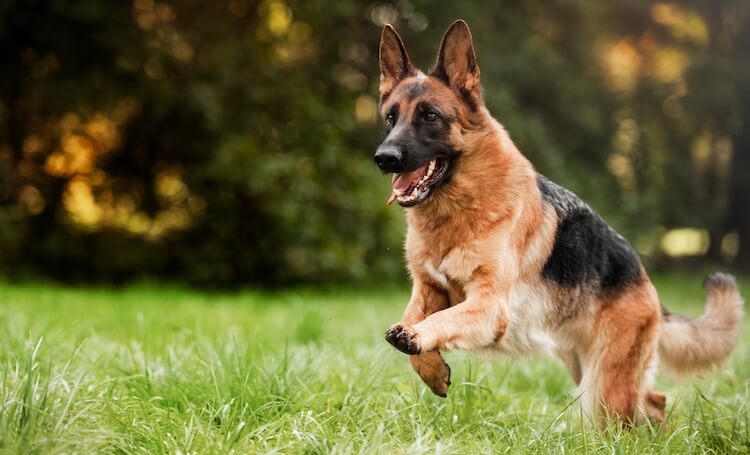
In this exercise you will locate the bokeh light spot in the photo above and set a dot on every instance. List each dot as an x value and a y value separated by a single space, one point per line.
685 242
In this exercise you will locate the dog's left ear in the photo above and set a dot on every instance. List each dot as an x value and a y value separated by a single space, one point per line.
457 62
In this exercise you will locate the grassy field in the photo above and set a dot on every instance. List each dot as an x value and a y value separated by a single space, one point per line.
153 370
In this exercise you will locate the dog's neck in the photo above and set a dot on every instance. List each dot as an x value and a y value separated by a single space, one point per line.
490 181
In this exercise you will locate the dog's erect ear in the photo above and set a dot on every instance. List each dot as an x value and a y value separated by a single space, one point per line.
394 61
457 61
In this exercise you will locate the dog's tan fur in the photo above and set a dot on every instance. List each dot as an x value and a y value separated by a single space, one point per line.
475 251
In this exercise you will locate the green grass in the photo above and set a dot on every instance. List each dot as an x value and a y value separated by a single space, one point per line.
153 370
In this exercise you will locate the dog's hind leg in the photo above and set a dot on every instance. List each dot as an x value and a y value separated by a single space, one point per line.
618 368
430 366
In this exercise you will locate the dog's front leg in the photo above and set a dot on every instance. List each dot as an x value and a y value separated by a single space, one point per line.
430 366
479 321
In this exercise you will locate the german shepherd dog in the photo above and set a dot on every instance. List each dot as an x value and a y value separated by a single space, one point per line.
504 260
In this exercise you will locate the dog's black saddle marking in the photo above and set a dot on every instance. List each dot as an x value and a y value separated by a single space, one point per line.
587 252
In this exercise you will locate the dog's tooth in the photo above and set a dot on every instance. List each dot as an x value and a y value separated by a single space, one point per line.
430 169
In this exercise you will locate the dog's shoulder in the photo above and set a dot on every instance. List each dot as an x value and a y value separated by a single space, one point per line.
587 252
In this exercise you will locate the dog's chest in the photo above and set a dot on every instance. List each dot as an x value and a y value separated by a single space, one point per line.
439 276
454 268
448 283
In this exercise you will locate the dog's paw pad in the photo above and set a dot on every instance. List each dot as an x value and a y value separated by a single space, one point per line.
403 339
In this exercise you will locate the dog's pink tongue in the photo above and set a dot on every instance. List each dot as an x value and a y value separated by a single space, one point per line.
402 182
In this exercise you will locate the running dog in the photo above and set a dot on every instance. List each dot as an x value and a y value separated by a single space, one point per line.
504 260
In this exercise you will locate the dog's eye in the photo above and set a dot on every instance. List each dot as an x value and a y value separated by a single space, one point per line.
429 116
390 119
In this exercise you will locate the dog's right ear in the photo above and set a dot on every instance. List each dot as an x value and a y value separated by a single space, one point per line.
394 61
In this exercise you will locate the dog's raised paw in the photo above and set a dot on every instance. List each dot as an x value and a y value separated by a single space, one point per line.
404 339
433 370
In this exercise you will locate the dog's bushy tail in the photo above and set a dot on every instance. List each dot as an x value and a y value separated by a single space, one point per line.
692 345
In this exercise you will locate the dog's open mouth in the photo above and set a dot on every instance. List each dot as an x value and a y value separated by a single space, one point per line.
411 188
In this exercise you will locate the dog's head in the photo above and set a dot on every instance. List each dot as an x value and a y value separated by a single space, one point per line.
426 115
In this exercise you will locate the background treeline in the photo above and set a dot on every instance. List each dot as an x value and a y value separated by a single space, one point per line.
230 142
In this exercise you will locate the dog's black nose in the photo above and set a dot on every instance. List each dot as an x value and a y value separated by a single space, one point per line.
388 158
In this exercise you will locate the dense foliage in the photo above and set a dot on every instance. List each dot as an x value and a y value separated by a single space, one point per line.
231 142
